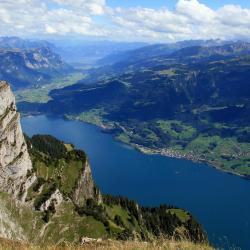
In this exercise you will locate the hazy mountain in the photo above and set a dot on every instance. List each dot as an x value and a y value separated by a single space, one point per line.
155 50
80 52
19 43
158 54
196 53
30 67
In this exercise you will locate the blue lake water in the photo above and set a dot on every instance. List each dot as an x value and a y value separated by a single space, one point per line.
221 202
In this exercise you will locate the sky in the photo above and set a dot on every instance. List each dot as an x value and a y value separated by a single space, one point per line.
171 3
127 20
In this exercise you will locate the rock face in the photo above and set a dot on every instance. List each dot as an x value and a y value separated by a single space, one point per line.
55 199
16 175
86 188
8 227
14 158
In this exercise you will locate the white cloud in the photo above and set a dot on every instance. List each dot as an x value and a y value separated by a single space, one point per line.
152 23
33 17
194 11
94 7
234 15
189 20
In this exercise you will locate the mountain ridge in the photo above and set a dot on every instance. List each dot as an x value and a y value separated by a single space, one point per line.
157 50
14 42
30 67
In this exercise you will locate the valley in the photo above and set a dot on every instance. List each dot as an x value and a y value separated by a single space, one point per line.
124 125
40 94
185 106
192 103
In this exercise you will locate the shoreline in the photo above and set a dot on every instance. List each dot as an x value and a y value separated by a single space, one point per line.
145 150
163 152
149 151
169 153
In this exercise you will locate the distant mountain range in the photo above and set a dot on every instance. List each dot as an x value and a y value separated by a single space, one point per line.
192 102
24 70
156 50
26 63
190 76
19 43
165 54
31 67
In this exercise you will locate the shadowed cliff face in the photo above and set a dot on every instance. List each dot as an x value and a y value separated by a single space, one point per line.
14 158
86 188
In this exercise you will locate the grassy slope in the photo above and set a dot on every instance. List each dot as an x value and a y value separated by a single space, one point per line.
93 116
108 245
65 225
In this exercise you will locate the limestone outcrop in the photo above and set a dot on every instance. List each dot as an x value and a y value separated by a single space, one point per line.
15 162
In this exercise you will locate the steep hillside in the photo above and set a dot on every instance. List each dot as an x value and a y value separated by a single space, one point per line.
155 50
48 194
30 67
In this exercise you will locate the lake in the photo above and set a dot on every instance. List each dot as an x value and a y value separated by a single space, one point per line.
220 201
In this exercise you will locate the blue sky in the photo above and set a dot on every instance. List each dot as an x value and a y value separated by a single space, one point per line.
154 21
171 3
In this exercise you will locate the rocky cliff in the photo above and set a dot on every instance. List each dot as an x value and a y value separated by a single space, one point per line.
38 173
86 188
18 164
15 162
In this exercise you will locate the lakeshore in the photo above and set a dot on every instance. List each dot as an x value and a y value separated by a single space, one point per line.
166 152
